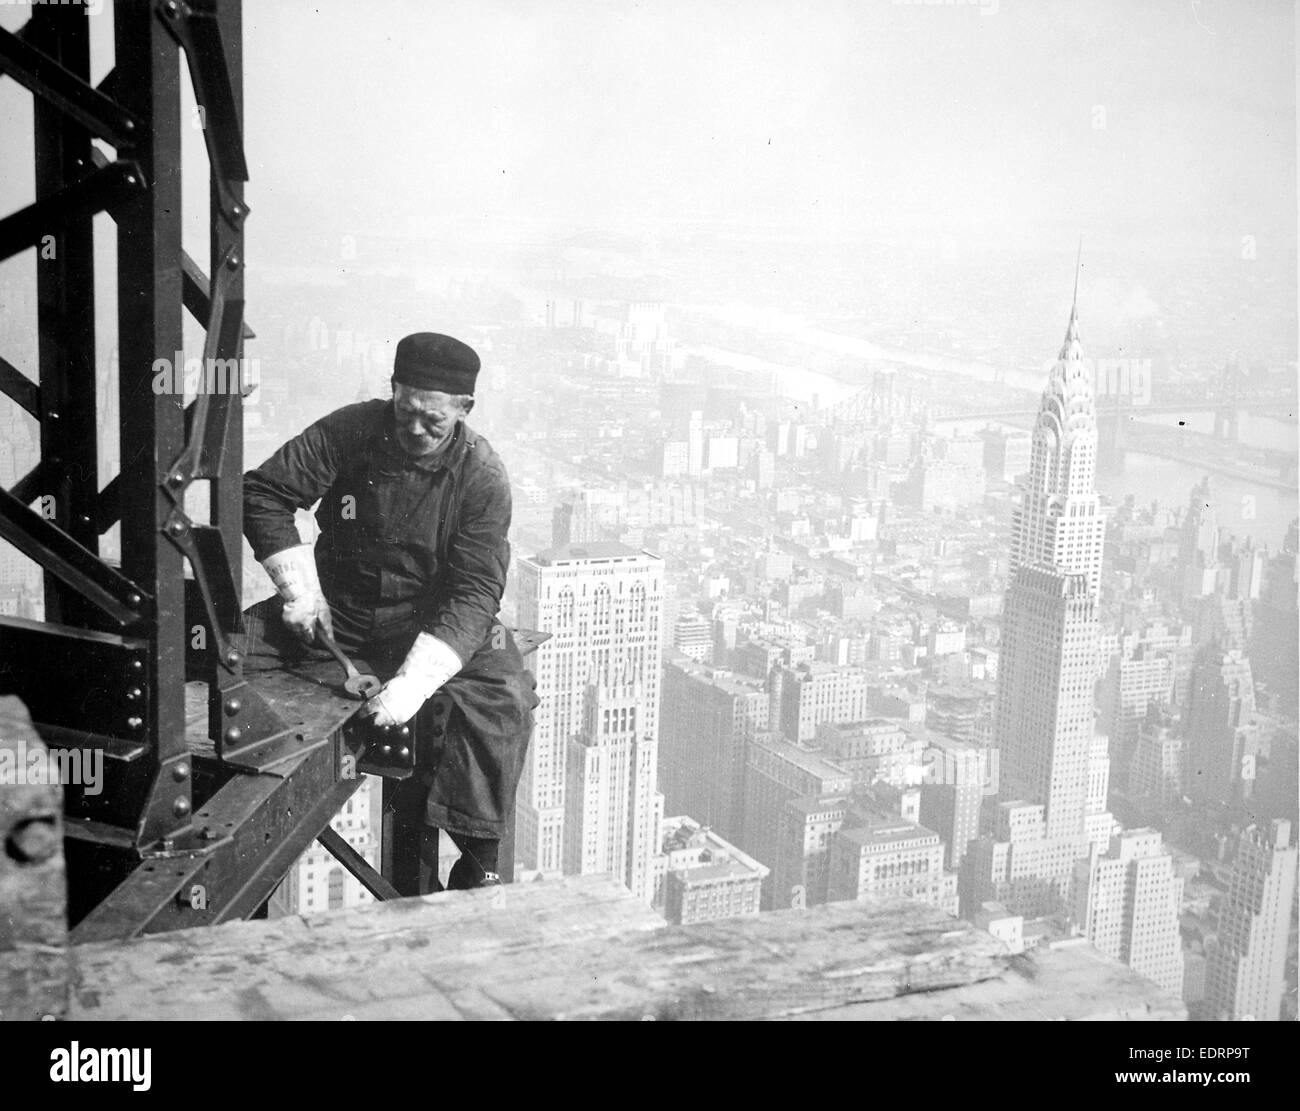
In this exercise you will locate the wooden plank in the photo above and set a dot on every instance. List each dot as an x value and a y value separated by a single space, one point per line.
582 947
33 882
373 961
773 966
1071 984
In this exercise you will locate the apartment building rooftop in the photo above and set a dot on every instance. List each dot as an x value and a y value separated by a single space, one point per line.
888 833
594 551
808 760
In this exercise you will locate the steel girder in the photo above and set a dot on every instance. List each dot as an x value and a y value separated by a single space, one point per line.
108 670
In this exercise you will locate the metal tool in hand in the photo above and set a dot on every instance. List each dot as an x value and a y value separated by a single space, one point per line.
356 684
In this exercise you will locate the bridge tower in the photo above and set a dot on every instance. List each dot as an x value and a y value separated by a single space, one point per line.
1113 416
1227 415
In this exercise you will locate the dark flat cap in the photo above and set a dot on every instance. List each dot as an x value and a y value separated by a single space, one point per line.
429 361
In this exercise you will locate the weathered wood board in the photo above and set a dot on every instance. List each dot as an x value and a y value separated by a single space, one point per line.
583 948
33 882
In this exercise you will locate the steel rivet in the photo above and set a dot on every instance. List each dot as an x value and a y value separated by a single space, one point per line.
234 262
33 840
135 664
176 528
134 694
177 478
134 722
52 415
181 807
181 772
233 657
134 600
233 735
233 706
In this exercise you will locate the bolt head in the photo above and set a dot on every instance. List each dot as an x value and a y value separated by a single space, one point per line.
33 840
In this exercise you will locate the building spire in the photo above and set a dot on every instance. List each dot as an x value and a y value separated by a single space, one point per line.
1078 263
1071 346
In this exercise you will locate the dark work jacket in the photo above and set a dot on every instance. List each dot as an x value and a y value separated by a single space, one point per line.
409 546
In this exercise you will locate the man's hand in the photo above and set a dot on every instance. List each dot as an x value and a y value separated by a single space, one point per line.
428 665
294 573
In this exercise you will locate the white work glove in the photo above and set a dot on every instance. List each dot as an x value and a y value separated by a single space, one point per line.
429 664
294 573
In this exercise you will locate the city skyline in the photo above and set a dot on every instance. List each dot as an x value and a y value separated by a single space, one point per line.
856 579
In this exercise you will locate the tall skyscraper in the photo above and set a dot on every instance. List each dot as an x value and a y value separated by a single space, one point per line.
957 773
1221 735
695 445
707 719
1043 721
612 811
1157 775
1127 901
1247 963
1058 521
1133 681
603 606
776 773
1043 725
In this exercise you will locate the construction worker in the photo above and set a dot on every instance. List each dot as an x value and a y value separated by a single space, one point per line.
408 572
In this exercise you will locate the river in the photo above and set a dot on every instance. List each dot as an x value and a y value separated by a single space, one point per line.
1262 512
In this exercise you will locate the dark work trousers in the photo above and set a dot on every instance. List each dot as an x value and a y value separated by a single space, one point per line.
414 840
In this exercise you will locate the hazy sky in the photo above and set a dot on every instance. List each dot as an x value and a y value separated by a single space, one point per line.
436 112
420 117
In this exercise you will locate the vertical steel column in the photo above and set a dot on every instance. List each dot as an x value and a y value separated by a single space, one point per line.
65 293
226 493
152 424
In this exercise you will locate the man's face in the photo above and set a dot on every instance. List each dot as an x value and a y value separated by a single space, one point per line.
426 419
